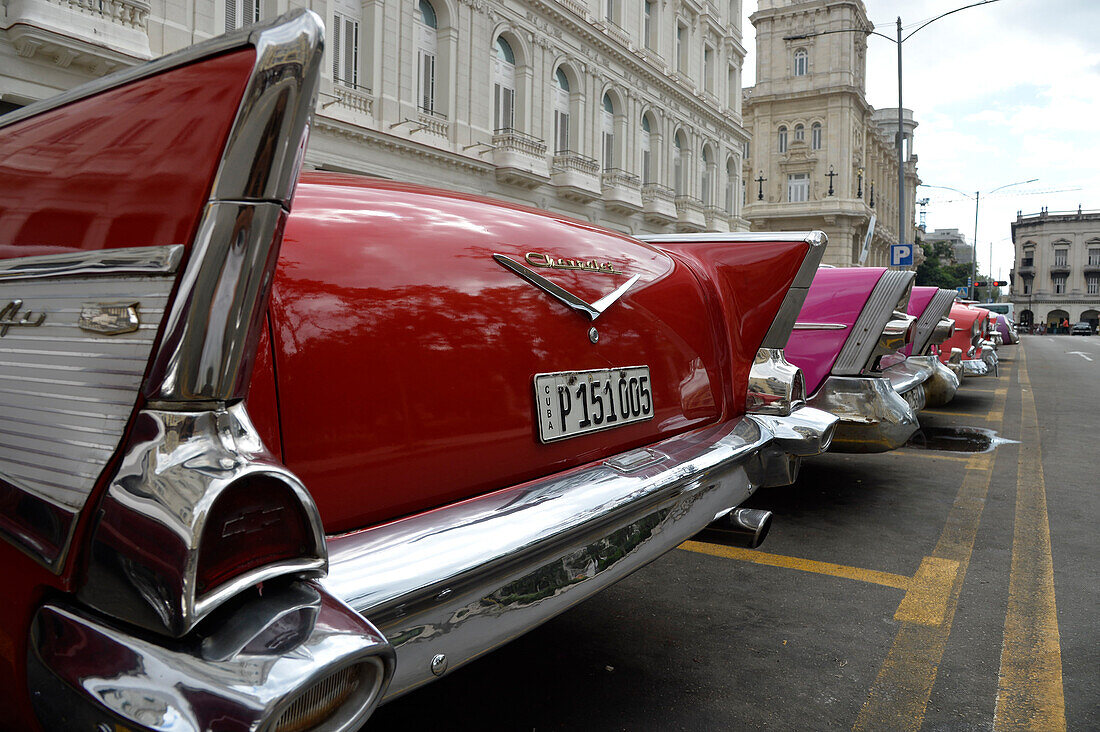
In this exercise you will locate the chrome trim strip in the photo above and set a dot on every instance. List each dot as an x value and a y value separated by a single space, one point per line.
813 238
168 481
938 308
212 329
460 580
780 331
873 417
886 297
136 261
819 326
244 670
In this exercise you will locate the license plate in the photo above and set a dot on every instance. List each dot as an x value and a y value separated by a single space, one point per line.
572 403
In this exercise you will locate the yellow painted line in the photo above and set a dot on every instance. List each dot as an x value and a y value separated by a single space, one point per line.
942 412
899 695
872 576
1030 694
926 601
934 454
997 409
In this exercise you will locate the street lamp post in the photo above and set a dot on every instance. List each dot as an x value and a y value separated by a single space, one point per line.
973 288
900 136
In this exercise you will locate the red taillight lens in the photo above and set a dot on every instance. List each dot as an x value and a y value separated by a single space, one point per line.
255 522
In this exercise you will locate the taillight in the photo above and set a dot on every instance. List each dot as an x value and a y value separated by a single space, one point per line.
255 522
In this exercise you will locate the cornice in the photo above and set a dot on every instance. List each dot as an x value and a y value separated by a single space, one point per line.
338 128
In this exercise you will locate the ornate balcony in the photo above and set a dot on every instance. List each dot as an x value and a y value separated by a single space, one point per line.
520 159
622 191
690 215
100 34
613 30
433 122
658 203
354 97
1059 269
718 219
576 176
577 6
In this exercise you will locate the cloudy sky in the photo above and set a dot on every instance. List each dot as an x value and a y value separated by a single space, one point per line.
1002 93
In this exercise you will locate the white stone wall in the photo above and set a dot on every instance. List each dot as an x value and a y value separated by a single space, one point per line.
377 128
1036 238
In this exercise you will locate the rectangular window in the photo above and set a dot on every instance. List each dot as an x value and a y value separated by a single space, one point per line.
1061 257
240 13
815 137
504 104
1060 285
1094 257
1027 285
798 187
611 10
427 81
345 51
1093 283
647 27
647 171
708 69
681 48
608 150
561 131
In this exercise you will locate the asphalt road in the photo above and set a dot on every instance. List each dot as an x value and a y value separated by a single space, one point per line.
918 589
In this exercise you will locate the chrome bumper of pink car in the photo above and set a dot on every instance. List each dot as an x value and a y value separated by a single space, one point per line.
873 417
942 383
449 585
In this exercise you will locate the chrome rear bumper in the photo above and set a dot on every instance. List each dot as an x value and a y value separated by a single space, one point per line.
941 385
873 417
984 366
452 584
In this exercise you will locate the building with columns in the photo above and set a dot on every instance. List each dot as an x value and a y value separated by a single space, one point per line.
626 113
1056 274
821 157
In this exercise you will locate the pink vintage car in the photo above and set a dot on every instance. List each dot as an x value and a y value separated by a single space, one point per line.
279 447
930 306
851 320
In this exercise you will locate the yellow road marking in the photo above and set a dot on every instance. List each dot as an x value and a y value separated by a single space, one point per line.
899 696
935 454
872 576
997 410
942 412
926 601
1030 693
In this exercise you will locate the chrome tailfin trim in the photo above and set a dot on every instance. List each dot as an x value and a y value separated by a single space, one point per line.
890 294
928 322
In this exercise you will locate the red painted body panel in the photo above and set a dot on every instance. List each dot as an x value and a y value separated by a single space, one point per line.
131 167
964 318
836 296
405 354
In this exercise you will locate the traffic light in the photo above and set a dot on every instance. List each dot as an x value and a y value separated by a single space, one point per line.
1000 283
979 284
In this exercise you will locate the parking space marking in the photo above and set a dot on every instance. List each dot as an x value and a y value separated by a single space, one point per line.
899 695
926 601
933 454
871 576
1030 694
997 410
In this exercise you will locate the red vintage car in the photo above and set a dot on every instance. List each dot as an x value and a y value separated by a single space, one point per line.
968 350
280 447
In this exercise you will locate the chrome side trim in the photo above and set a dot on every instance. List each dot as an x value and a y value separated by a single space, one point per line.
776 386
562 295
819 326
890 294
209 343
780 331
244 671
927 324
65 394
813 238
176 467
135 261
873 417
460 580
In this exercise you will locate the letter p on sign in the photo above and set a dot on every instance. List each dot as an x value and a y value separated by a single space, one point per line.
901 255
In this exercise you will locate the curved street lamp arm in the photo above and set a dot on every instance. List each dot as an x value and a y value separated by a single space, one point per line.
947 188
1009 185
803 36
944 15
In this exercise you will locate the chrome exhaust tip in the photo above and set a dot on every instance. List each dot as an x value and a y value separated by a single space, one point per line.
743 527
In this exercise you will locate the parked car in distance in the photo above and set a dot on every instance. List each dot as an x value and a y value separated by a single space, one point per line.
285 446
852 319
1081 328
930 306
1007 329
967 347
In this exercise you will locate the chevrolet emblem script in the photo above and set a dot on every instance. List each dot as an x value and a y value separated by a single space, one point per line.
567 298
9 317
109 318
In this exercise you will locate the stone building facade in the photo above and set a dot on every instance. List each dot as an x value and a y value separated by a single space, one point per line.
821 157
1056 274
626 113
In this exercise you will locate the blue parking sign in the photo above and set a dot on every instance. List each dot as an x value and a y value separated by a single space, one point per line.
901 255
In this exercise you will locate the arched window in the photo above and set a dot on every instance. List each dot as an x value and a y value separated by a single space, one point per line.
647 146
678 163
427 44
504 86
561 111
815 136
799 133
783 139
801 62
607 124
